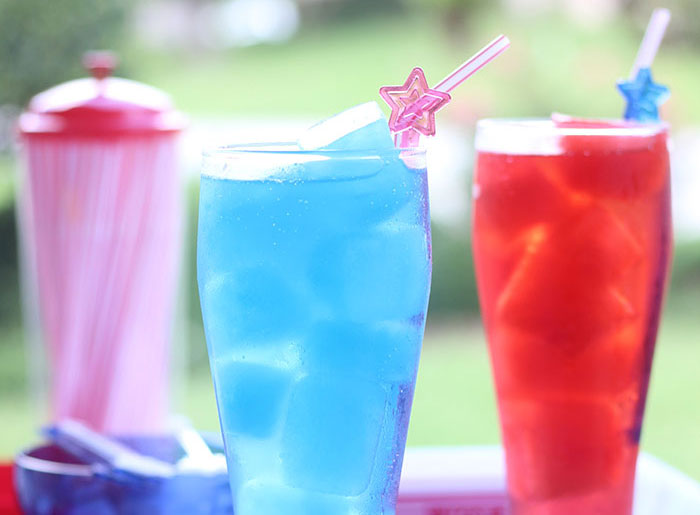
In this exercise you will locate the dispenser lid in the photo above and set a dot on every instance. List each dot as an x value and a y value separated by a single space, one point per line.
100 105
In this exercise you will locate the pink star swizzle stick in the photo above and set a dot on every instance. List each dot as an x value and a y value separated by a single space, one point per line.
414 104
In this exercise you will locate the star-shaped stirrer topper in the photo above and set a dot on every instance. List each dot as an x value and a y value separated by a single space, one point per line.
642 94
414 104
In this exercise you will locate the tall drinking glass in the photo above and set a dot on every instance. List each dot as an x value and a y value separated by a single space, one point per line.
571 235
314 271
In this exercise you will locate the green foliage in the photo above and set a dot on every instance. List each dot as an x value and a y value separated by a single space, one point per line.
466 6
10 313
685 23
340 11
329 70
453 290
685 280
686 265
197 350
457 17
42 41
9 276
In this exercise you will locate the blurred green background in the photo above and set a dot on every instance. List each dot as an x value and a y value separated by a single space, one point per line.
312 58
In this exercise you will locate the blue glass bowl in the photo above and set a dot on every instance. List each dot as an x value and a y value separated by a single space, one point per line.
49 480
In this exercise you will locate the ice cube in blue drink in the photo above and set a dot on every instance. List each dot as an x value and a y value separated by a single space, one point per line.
329 441
252 398
374 190
385 351
361 127
389 266
275 309
264 497
256 214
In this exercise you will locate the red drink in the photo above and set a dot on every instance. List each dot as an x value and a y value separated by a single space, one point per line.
572 235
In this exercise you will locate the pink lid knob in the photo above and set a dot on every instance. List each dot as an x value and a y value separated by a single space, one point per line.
100 64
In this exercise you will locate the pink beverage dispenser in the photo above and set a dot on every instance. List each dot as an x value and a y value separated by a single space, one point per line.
99 205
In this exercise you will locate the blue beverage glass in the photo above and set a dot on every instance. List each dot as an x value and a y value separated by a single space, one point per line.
314 274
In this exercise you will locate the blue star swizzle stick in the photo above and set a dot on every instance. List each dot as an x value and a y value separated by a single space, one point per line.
642 94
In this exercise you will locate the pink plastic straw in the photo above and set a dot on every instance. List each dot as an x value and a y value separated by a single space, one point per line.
652 40
101 222
474 64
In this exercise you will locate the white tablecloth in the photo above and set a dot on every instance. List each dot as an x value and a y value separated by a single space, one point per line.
472 480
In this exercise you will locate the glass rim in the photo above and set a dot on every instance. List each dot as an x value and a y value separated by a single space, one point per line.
292 149
26 461
547 127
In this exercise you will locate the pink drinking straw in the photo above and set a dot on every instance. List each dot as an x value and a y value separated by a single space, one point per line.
414 104
105 246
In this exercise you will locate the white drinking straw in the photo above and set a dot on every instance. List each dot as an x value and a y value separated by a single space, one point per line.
474 64
652 40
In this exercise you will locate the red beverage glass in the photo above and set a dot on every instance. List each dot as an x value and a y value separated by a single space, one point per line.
572 241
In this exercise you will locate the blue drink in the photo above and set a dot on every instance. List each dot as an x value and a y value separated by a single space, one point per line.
314 272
